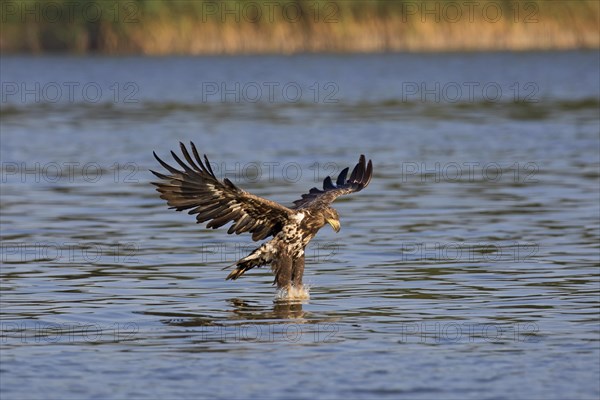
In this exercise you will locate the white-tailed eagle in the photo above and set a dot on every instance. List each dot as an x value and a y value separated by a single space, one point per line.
197 189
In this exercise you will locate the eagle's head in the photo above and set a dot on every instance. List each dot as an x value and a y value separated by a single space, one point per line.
332 218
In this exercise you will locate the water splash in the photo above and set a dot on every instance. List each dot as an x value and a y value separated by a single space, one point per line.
293 293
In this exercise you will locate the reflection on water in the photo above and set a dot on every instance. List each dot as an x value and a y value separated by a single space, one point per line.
242 311
467 269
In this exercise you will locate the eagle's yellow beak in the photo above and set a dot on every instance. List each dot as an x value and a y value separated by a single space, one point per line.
335 224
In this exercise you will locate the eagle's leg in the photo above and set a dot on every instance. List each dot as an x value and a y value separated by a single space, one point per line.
298 271
282 268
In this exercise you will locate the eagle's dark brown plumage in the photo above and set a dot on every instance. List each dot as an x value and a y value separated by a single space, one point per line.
196 188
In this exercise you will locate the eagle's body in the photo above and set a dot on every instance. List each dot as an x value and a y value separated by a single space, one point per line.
285 252
197 189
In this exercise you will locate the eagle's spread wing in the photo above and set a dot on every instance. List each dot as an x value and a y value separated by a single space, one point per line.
359 179
197 189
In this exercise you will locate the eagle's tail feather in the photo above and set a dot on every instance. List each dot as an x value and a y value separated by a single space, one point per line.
245 264
236 273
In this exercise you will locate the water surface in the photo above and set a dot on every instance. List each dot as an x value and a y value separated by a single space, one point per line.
467 269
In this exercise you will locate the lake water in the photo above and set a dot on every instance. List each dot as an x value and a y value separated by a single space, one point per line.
468 269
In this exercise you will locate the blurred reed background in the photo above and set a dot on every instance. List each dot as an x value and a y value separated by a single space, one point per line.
161 27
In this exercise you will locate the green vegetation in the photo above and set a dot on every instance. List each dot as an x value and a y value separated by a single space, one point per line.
290 26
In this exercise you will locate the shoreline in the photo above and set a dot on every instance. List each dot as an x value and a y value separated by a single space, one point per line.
279 54
269 27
